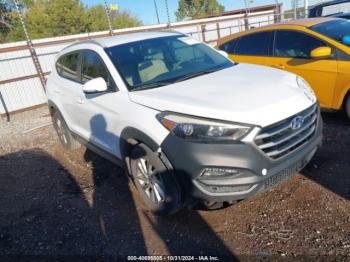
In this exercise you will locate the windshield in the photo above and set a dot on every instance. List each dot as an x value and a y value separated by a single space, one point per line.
165 60
338 30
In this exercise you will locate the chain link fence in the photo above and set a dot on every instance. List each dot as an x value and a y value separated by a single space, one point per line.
32 32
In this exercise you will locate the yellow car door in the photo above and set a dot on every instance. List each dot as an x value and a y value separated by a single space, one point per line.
292 52
343 81
253 48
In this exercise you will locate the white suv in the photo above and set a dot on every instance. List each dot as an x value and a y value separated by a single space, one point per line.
188 124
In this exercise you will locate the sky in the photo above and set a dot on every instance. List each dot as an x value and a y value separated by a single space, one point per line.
145 10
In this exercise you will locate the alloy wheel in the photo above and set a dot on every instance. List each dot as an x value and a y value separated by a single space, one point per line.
61 132
149 180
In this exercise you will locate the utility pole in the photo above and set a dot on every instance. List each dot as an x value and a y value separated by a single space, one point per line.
278 15
246 4
295 3
156 8
306 6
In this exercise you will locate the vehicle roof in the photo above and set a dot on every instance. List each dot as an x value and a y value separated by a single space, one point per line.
110 41
308 22
305 22
334 2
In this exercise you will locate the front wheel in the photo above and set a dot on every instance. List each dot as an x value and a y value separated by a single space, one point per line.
156 184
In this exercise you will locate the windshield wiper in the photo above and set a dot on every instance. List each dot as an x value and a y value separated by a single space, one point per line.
150 86
195 75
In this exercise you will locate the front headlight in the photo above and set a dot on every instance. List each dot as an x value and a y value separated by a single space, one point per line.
188 127
306 89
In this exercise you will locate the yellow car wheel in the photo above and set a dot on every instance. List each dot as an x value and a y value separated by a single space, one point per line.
347 105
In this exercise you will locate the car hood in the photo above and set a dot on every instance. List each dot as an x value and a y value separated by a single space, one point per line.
249 94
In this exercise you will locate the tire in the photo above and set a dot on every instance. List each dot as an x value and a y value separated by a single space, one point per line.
155 183
63 133
347 105
209 206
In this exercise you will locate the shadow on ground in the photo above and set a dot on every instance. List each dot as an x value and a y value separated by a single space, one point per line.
44 211
333 158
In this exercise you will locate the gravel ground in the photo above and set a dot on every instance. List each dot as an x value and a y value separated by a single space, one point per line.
54 202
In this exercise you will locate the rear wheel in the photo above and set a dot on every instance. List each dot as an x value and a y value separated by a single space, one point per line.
156 184
64 134
347 105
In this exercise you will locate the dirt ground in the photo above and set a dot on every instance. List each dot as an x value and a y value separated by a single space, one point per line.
54 202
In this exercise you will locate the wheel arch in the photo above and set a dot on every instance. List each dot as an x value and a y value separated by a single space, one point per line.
52 107
345 98
130 137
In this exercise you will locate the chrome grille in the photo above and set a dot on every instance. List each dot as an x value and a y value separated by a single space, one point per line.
280 139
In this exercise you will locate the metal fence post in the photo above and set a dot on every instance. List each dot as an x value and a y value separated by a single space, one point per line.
246 22
218 30
31 46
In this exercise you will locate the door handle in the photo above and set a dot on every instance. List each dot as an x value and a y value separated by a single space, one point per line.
57 90
79 100
280 66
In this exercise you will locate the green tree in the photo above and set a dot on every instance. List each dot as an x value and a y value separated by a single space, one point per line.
197 9
47 18
96 19
123 19
5 19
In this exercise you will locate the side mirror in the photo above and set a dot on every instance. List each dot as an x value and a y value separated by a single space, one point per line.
96 85
223 53
321 52
346 40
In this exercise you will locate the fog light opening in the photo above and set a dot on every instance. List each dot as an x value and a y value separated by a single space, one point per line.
264 172
214 172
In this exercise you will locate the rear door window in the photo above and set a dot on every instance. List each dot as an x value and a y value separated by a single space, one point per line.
67 66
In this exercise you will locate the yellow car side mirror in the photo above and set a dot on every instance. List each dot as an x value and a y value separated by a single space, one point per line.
321 52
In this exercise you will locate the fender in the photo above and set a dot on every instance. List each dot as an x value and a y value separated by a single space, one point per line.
131 136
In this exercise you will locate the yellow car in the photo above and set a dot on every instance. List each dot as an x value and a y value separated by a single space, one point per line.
316 49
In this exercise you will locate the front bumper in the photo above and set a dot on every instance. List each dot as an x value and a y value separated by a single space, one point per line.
256 171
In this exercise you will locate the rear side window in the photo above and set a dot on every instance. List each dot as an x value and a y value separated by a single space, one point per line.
254 44
229 47
67 66
93 67
295 44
